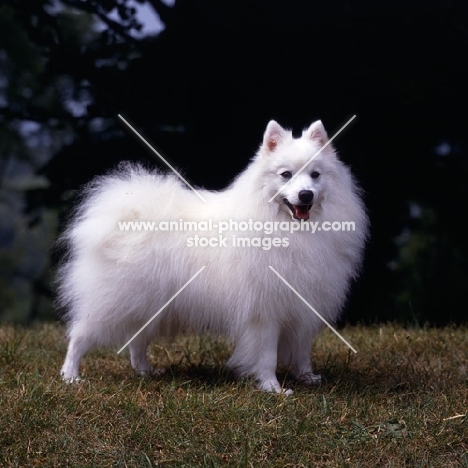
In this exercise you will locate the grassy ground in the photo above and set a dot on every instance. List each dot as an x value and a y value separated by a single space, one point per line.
402 401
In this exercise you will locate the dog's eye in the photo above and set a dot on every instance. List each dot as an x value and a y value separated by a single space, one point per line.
286 175
315 175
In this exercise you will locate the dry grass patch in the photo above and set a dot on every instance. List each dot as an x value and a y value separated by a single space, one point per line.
402 401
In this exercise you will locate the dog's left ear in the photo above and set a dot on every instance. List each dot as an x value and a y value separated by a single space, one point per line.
317 132
274 133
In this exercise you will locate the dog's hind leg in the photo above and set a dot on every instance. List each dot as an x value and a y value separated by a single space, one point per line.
77 348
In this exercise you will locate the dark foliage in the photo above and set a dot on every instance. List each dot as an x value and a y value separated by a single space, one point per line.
204 89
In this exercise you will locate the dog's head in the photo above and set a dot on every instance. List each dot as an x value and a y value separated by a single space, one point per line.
296 169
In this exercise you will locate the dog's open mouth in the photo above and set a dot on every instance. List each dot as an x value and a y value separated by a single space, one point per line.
298 211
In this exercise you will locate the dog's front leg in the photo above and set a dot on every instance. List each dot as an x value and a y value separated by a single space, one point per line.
294 353
256 355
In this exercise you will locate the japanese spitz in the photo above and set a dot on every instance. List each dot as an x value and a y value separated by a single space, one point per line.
115 278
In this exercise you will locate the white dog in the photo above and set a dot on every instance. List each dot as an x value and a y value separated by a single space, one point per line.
114 280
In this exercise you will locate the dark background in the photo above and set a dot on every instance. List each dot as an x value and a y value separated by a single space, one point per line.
203 91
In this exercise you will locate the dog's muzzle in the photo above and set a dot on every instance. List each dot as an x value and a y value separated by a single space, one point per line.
301 211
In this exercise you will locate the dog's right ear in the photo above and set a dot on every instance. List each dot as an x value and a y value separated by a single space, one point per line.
317 132
274 133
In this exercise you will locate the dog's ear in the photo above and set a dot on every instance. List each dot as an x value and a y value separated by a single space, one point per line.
274 133
316 132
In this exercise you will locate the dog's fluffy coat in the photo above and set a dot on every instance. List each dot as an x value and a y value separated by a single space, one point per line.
112 281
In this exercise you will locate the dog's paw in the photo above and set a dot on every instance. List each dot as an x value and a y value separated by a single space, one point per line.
152 372
309 378
72 379
274 387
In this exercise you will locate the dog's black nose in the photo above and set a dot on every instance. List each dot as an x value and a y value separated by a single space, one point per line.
306 196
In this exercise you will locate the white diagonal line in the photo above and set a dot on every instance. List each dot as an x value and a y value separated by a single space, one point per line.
165 162
313 157
455 417
313 310
161 309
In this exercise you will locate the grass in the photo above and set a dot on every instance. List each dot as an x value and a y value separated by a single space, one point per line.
402 401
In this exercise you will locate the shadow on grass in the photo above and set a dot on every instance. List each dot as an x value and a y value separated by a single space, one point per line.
392 368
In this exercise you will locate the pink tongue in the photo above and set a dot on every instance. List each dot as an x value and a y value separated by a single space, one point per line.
301 211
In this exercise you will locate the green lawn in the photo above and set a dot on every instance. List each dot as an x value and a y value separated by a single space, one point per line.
401 401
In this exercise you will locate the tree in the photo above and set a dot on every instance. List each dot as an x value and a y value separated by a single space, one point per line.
203 90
